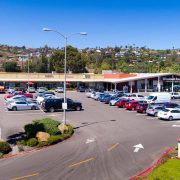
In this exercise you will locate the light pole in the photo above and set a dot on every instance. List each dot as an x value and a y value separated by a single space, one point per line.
64 105
28 72
158 85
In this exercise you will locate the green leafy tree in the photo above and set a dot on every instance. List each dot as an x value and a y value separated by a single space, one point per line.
11 66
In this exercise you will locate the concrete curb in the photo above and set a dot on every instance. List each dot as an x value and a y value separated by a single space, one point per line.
146 171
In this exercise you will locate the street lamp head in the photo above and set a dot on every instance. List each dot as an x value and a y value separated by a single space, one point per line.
83 33
46 29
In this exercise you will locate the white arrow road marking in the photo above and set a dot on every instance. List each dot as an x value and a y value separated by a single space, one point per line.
137 147
90 140
175 125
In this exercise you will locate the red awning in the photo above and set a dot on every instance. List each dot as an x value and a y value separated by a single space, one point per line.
30 83
68 83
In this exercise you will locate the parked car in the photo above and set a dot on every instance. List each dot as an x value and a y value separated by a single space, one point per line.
108 99
132 104
11 90
46 92
28 95
41 90
22 89
121 103
136 97
59 90
22 105
81 89
114 101
16 97
40 99
170 105
153 110
175 95
141 107
56 104
169 114
89 94
31 90
97 95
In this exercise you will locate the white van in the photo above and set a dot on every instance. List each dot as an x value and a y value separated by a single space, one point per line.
159 97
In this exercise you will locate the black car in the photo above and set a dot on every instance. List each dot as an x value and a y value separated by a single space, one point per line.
53 104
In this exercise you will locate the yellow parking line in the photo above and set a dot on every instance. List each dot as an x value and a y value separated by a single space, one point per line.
23 177
112 147
81 162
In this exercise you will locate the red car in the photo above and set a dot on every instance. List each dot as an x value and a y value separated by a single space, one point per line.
141 107
121 103
28 95
131 105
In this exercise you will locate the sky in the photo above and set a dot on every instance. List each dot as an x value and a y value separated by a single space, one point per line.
151 23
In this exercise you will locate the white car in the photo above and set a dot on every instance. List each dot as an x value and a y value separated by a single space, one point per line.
41 90
40 99
31 90
136 97
14 98
11 90
89 94
169 114
97 95
175 95
22 105
114 101
59 90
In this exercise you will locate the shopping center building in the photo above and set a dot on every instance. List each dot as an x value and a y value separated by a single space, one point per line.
131 82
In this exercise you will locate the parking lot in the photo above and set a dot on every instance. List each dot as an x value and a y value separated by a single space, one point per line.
106 133
13 121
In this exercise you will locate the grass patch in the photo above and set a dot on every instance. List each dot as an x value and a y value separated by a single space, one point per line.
170 170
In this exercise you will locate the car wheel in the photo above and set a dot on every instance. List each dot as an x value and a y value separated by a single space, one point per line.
78 108
14 108
170 118
51 109
33 108
155 114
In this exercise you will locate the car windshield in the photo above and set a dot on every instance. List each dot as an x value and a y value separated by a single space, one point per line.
116 99
150 97
165 110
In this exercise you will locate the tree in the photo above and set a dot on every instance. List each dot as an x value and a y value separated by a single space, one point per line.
11 66
75 62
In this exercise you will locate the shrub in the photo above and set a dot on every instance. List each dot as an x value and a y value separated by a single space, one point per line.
4 147
21 142
32 129
54 139
43 143
70 129
32 142
50 126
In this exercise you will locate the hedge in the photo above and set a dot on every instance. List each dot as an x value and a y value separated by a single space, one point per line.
32 142
42 125
5 148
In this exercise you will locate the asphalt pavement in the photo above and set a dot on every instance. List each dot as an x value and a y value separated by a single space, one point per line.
102 147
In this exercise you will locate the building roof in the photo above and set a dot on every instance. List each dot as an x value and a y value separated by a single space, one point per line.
137 77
